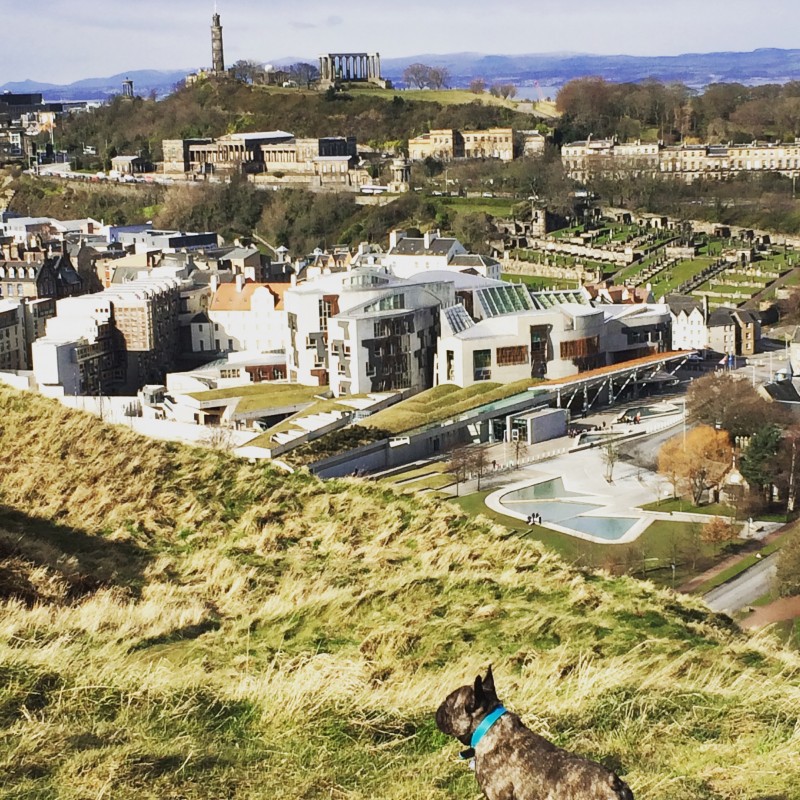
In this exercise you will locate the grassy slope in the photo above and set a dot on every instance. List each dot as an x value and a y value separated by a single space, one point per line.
209 628
440 403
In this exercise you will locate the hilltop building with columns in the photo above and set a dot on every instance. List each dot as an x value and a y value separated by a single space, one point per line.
351 68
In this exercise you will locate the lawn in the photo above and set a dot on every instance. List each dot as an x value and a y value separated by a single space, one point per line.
681 505
539 283
432 476
263 395
670 279
712 509
663 543
494 206
447 97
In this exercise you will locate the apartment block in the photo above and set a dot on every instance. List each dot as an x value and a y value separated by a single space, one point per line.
13 345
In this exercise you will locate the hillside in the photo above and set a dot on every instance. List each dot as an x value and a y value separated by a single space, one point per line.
178 624
214 108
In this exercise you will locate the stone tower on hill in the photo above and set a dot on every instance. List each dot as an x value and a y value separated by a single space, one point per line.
217 56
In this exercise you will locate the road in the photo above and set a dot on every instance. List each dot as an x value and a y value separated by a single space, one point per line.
744 590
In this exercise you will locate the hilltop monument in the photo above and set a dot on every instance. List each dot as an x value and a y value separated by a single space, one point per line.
217 55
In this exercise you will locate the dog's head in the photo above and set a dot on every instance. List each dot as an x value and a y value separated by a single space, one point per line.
462 711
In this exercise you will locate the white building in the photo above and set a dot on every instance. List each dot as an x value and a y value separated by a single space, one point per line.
511 336
364 330
409 256
57 367
689 330
243 317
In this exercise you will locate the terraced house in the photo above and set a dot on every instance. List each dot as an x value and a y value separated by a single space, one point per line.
611 158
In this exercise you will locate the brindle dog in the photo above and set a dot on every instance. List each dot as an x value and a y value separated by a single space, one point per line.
512 762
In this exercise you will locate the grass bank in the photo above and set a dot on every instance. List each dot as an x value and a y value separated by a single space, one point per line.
177 623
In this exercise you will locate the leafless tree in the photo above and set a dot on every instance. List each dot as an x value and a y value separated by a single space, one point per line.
477 86
459 464
417 75
479 462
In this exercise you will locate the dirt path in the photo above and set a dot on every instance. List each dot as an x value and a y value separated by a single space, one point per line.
780 610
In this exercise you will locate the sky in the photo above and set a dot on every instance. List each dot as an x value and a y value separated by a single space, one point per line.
59 42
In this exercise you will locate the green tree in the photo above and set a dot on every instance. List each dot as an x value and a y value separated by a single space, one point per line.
788 575
758 463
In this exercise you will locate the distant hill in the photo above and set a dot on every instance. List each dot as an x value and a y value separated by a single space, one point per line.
554 69
145 81
551 70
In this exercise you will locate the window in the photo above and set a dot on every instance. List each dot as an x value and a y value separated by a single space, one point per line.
509 356
580 348
324 314
482 365
390 303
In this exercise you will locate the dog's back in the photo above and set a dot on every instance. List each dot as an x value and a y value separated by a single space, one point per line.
514 763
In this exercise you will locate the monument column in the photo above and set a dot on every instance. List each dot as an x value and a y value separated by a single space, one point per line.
217 56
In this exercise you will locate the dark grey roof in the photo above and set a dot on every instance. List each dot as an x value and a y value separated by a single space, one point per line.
745 316
472 260
416 247
783 392
721 317
201 317
682 302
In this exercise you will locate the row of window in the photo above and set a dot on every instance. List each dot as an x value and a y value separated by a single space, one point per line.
17 272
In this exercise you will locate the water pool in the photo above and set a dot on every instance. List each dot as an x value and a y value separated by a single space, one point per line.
609 528
547 499
546 490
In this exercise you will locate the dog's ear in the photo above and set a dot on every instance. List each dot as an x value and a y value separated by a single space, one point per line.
488 684
477 696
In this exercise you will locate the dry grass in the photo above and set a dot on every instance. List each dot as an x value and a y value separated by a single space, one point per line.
197 627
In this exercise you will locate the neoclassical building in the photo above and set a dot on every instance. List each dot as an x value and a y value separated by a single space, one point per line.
611 158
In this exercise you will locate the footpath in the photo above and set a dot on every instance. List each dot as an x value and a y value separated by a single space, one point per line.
751 547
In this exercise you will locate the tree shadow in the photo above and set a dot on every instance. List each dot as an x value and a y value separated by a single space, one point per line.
80 561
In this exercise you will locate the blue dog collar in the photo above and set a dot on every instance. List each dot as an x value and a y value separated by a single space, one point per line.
485 725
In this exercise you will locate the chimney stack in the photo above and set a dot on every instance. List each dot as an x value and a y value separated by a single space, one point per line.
239 282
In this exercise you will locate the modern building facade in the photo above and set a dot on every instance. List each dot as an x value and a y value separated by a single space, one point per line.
364 330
